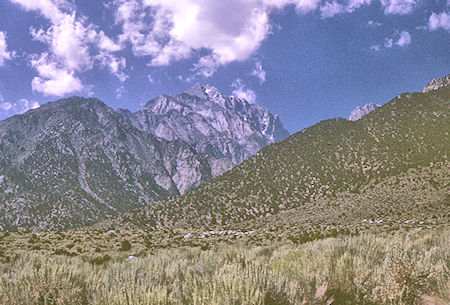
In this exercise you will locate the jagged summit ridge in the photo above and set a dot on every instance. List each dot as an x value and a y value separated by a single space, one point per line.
358 112
204 91
437 83
227 129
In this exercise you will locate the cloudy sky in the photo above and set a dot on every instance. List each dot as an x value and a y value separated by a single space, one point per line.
306 60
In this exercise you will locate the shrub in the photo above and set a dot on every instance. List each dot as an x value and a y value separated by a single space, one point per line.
125 245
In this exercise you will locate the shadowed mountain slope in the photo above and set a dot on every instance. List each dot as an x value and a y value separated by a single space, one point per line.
76 161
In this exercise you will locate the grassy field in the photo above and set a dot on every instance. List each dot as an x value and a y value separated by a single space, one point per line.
402 267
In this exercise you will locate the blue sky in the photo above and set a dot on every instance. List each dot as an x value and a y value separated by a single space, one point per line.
307 60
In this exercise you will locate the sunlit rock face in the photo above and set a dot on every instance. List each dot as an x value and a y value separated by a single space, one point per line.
225 128
437 83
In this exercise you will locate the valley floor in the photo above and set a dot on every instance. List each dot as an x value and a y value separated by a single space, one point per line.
406 266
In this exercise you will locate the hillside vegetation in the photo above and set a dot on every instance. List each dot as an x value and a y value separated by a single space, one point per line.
320 164
402 268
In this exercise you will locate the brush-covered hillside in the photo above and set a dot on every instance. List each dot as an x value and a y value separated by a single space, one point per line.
331 158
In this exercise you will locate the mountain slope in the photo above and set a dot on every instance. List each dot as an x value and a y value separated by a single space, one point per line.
320 162
227 129
76 161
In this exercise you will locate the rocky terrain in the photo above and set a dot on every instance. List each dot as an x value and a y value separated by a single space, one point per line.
227 129
320 164
76 161
437 83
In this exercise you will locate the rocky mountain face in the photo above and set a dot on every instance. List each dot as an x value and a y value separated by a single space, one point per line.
359 112
75 161
228 130
330 166
437 83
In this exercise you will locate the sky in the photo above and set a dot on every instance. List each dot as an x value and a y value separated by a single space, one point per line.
306 60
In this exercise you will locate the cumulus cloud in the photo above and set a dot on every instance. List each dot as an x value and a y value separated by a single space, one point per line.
439 21
114 64
330 9
74 45
19 107
168 31
302 6
404 39
240 91
53 79
4 54
398 7
259 72
50 9
173 30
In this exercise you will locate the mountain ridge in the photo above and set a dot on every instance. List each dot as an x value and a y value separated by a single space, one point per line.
79 156
222 127
75 161
328 158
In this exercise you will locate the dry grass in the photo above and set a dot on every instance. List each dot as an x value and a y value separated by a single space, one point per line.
398 268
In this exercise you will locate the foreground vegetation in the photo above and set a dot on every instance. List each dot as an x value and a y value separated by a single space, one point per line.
390 268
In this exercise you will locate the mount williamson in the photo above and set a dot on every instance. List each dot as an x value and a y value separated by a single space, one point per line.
77 161
389 164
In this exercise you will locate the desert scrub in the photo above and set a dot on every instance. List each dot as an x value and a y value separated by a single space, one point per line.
370 269
367 269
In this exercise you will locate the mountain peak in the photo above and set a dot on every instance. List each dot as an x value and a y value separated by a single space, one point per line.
203 91
437 83
219 126
359 111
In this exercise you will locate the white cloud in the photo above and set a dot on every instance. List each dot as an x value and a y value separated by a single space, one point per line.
302 6
119 92
437 21
4 54
173 30
50 9
6 106
240 91
114 64
405 39
19 107
73 46
330 9
352 5
373 24
52 79
67 42
398 7
259 72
